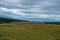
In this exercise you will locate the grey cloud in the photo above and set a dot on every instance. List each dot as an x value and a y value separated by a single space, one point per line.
30 2
32 8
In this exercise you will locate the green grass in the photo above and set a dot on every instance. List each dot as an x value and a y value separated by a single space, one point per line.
29 32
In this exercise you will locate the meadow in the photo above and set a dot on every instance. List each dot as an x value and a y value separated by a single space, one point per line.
29 31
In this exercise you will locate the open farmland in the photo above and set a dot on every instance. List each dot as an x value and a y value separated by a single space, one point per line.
29 31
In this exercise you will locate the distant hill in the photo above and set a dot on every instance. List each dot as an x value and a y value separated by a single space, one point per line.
8 20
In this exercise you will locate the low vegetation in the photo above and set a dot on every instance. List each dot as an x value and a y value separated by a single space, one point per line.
32 31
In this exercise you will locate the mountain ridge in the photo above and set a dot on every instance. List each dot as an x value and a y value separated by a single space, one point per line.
8 20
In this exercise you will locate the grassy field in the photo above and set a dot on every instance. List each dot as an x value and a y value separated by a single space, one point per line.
29 31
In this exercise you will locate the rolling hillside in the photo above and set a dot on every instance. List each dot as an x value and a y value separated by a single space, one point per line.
8 20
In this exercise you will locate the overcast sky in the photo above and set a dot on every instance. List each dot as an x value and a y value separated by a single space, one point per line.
34 10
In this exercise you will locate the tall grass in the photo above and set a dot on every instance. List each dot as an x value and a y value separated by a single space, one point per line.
29 31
